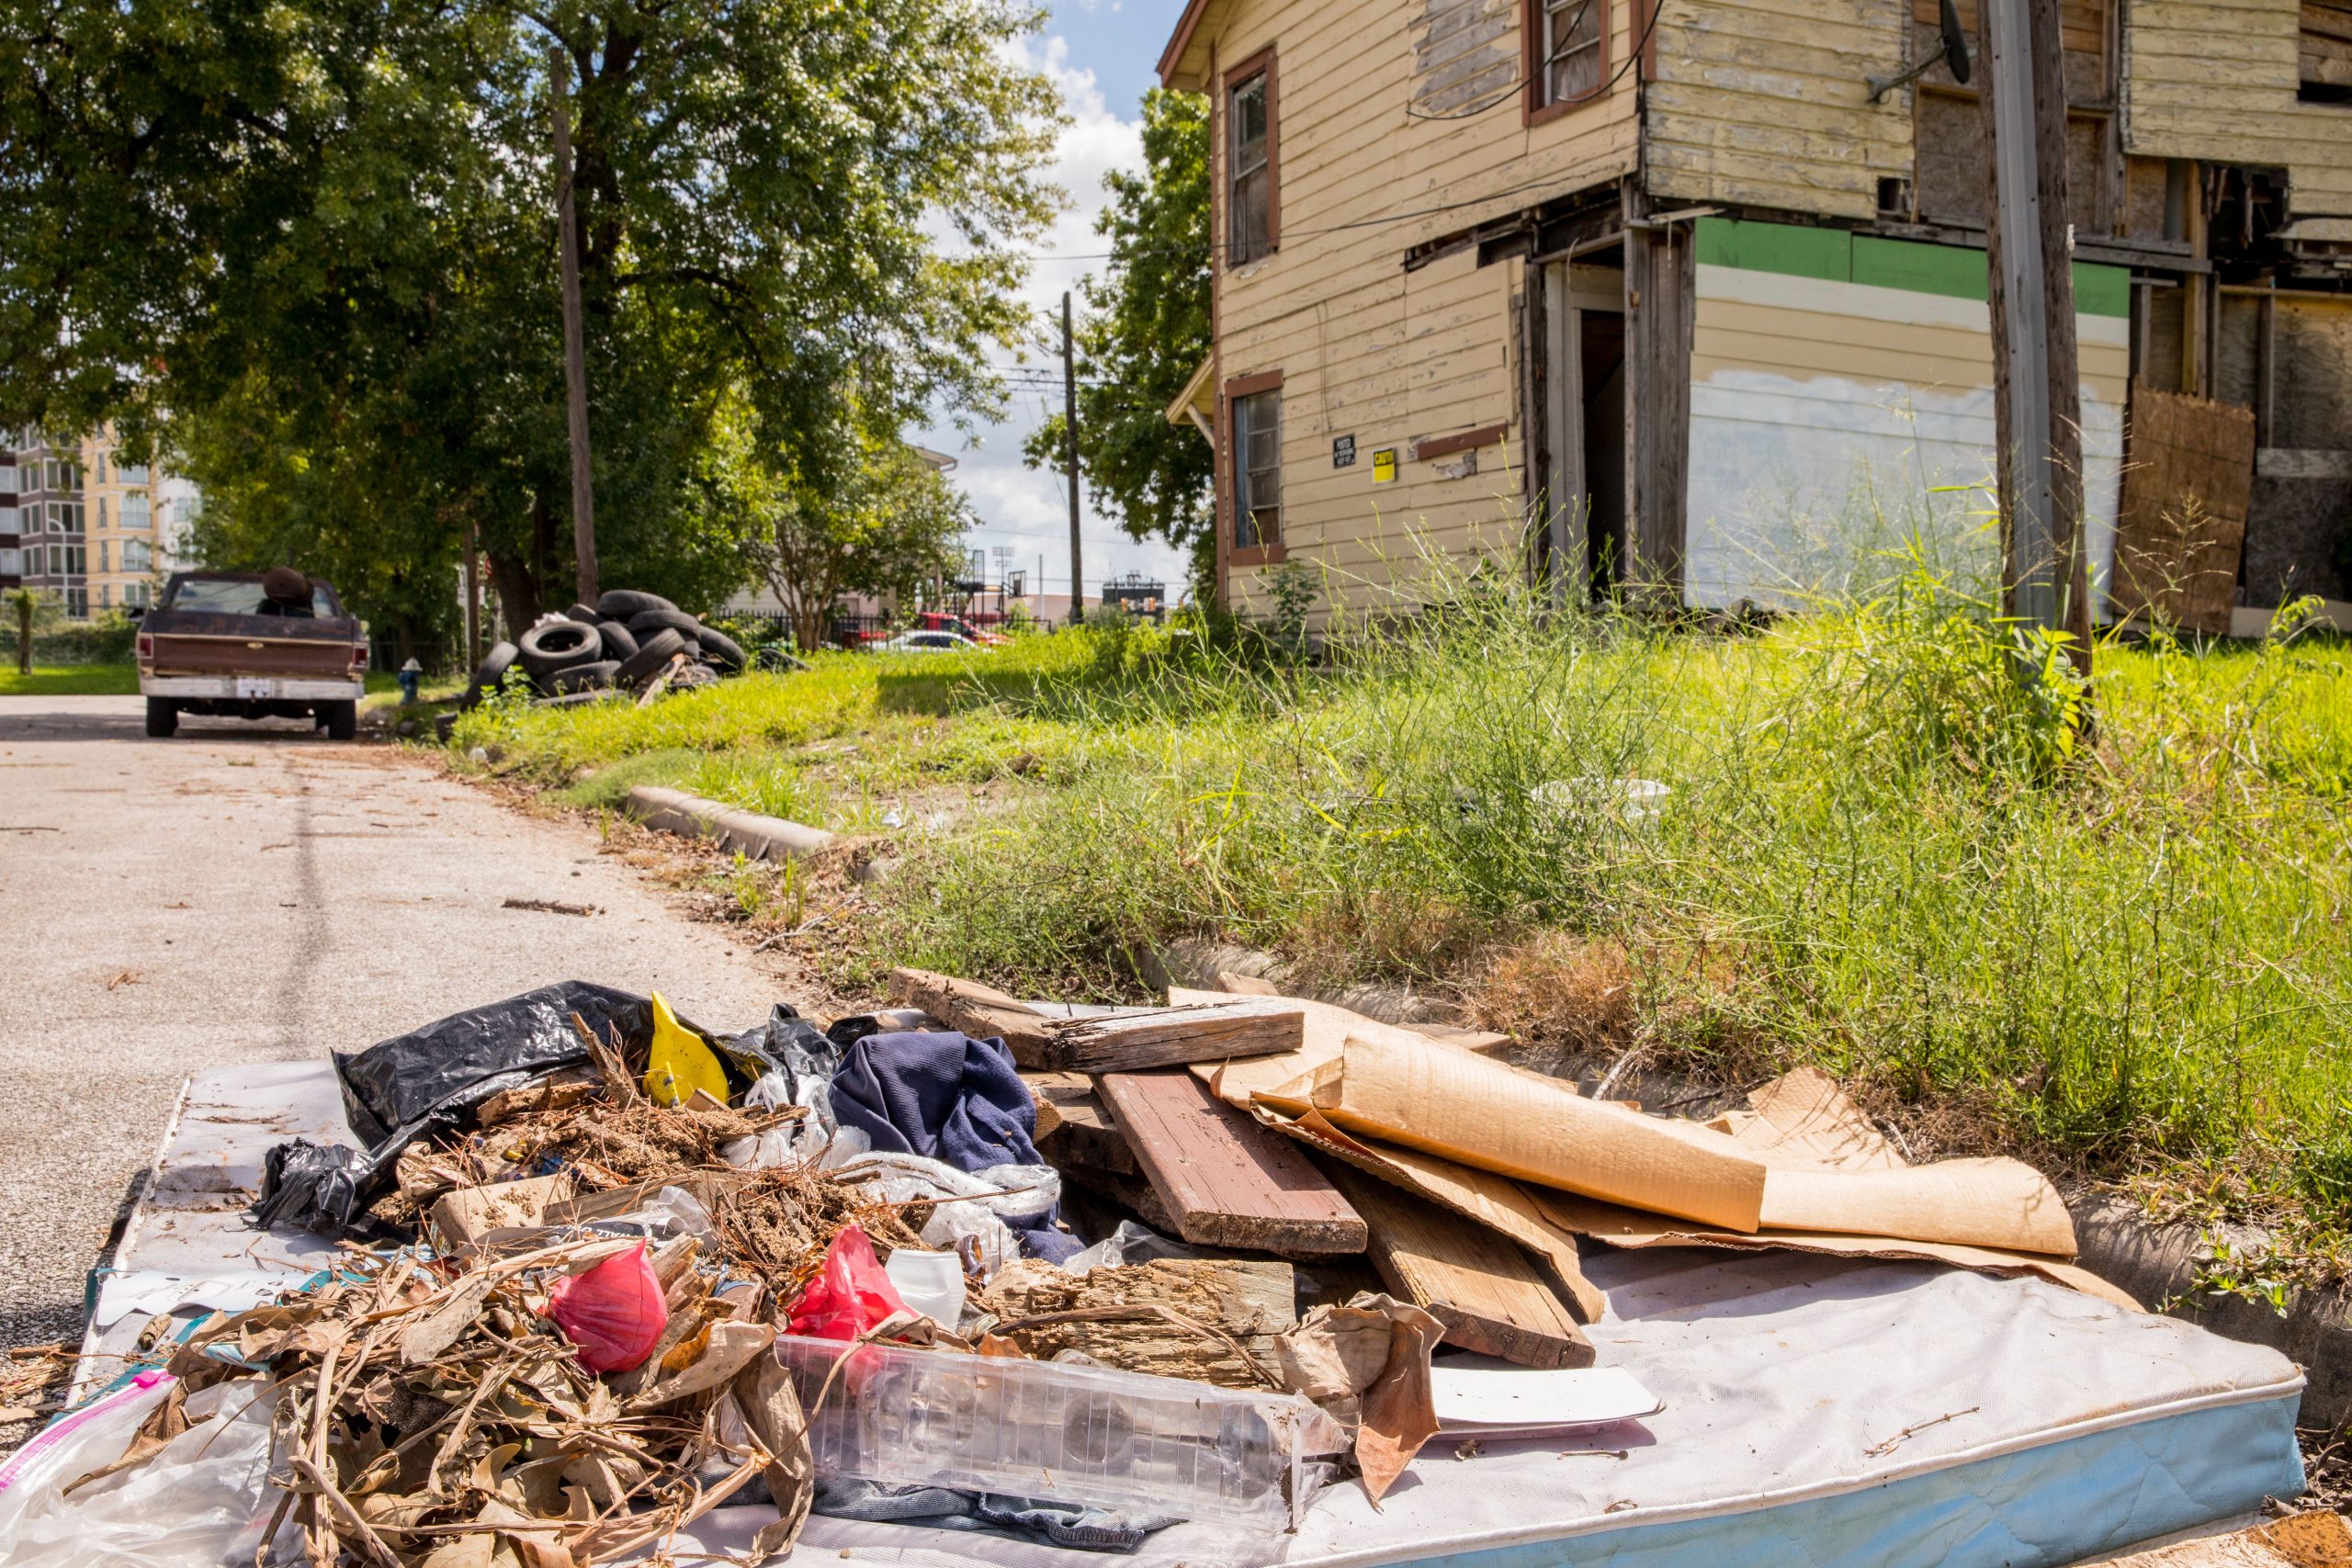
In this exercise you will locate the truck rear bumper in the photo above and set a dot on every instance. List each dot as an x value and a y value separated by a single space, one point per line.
250 688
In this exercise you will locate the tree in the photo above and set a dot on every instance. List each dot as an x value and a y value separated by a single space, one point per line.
1145 333
886 524
328 225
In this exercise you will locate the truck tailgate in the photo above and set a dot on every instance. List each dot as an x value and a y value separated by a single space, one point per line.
195 653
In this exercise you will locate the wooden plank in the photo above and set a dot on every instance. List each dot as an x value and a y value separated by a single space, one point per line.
1074 1129
2181 525
1227 1181
1491 1296
1174 1036
977 1009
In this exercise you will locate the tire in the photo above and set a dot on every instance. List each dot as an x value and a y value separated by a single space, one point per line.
163 718
584 614
723 652
339 720
622 603
650 660
776 658
693 676
619 642
490 672
584 677
560 644
651 621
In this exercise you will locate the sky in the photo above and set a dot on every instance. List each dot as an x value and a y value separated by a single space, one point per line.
1100 54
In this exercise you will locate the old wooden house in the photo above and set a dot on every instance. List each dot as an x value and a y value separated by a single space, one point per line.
1679 291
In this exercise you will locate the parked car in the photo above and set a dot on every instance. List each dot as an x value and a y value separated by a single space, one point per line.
939 621
929 642
251 645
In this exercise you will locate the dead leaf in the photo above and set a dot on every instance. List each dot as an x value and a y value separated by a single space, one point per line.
122 979
763 1392
730 1350
1374 1352
435 1330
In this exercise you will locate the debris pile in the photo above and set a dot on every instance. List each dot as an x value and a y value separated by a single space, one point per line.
627 641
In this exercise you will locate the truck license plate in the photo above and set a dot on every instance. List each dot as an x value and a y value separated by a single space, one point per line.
251 686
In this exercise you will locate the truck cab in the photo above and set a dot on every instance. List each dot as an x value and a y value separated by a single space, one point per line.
251 645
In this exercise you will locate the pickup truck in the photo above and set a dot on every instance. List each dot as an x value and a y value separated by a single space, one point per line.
251 645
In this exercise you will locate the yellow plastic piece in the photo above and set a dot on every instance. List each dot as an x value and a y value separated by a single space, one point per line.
680 1063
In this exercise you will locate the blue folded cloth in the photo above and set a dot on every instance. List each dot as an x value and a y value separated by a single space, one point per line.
950 1098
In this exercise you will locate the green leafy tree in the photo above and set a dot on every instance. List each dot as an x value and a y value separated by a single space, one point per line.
885 522
309 247
1145 331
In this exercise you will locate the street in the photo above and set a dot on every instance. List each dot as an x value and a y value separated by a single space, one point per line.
251 895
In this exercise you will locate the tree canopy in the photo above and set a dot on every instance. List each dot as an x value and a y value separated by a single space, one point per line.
1145 331
309 246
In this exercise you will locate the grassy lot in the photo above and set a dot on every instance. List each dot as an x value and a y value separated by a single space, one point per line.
1877 849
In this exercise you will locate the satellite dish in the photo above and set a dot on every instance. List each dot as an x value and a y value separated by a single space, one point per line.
1955 42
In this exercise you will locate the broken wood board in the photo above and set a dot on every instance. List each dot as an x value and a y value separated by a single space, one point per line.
1496 1201
1484 1114
1214 1319
1327 1028
1227 1181
1212 1029
2181 528
1492 1297
1074 1129
465 1216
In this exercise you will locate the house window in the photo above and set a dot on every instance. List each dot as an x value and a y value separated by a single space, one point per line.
1252 219
12 563
1568 52
57 560
2326 52
7 475
1258 469
137 556
102 514
134 513
130 473
105 596
102 557
138 595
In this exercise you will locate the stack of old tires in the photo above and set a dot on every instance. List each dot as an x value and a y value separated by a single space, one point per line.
624 643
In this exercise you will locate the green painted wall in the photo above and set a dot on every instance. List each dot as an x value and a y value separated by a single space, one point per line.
1923 268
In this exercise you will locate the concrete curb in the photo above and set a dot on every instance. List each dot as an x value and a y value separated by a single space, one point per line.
2157 1264
745 832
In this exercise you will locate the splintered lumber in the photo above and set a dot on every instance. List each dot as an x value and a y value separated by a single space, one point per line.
977 1011
1492 1297
1213 1319
1121 1042
1227 1181
1074 1129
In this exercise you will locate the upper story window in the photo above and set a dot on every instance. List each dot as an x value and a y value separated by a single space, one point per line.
1253 218
137 556
134 511
130 473
1568 53
2326 72
1257 468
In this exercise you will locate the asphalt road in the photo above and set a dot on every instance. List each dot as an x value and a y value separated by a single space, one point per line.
243 893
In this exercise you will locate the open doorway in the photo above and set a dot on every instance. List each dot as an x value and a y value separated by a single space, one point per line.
1584 418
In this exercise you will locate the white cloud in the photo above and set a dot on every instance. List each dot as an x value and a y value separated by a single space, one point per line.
1023 508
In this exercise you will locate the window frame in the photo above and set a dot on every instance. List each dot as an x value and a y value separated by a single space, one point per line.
1261 550
1236 79
1536 104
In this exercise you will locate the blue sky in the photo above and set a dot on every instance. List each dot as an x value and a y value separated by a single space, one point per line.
1100 54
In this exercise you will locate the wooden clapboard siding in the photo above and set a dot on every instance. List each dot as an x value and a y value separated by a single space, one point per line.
1761 102
1365 347
2216 79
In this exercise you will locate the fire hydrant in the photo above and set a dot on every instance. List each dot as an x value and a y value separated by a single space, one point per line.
408 678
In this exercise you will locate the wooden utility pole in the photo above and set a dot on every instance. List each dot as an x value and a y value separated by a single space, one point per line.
1069 460
575 352
2030 289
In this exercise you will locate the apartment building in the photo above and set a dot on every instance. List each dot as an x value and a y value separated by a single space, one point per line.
12 550
47 513
136 526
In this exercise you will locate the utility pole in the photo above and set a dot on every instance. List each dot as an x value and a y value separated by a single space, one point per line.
1069 460
2030 290
575 352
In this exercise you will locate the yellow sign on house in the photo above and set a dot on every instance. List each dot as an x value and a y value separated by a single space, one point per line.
1384 466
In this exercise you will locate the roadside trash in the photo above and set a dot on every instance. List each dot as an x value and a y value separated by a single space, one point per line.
612 1312
850 1294
929 1282
680 1067
625 641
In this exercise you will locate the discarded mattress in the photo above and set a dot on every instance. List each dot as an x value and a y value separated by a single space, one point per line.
1816 1410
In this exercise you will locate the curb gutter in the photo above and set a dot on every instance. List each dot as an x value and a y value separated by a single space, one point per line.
744 832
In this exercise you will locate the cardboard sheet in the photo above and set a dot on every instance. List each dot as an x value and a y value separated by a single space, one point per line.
1495 1201
1803 1119
1503 1119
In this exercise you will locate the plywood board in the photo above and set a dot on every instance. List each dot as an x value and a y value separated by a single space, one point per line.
1073 1128
1225 1181
2188 477
1217 1030
1491 1296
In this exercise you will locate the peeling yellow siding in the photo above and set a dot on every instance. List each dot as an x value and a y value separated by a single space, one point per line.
2216 80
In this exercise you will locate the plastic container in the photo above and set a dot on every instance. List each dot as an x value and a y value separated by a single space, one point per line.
1069 1434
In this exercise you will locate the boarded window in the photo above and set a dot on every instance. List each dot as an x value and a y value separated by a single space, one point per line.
1258 469
1251 158
2326 52
1955 179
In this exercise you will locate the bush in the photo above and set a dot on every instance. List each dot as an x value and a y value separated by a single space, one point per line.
107 637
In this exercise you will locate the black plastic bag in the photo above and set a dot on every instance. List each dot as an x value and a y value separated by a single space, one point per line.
399 1089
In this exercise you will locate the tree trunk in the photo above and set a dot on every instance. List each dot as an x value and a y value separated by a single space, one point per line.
519 590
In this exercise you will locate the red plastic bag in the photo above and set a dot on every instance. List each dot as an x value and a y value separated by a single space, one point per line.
614 1313
850 1294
